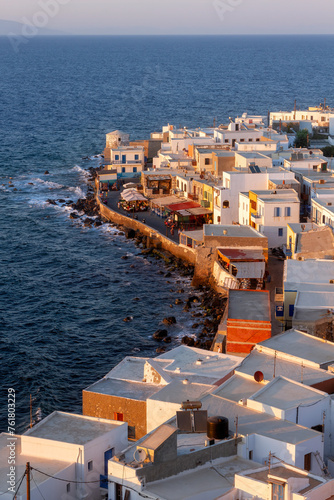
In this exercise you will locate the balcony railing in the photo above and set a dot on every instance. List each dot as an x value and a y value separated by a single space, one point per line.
128 162
256 217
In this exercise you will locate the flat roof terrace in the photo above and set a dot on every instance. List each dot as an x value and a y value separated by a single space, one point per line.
302 346
68 428
271 366
232 231
249 305
284 394
123 389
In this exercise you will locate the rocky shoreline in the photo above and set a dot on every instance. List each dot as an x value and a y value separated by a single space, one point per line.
210 304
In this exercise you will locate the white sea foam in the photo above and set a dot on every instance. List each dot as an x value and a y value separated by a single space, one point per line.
78 191
80 170
49 184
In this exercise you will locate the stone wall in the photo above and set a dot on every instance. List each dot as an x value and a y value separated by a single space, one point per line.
189 461
105 406
155 239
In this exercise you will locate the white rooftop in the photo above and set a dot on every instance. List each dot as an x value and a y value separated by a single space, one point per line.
254 422
299 228
68 428
233 231
301 346
284 394
308 271
207 364
139 391
178 392
204 482
266 363
238 387
130 368
315 300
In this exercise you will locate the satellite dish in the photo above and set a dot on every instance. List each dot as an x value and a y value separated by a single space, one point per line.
140 455
258 376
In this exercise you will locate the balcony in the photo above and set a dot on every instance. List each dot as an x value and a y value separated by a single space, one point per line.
257 218
128 162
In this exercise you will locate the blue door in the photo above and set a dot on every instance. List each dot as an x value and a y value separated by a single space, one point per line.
107 456
123 158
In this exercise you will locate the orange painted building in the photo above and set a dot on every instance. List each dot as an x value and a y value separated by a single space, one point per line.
248 320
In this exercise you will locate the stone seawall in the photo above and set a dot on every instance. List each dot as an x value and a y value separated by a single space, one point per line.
155 239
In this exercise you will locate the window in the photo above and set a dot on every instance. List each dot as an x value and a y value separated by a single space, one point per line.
118 416
291 309
250 140
90 465
123 170
315 167
207 161
287 212
257 140
136 157
131 432
134 169
116 157
277 212
242 140
68 487
307 461
250 455
226 204
280 231
226 141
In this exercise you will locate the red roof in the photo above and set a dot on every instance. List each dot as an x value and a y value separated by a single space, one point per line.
240 254
175 207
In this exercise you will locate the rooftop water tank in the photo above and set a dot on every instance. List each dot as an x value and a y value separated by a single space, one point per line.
217 428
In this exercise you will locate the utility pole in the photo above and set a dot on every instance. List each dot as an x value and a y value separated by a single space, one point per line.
28 479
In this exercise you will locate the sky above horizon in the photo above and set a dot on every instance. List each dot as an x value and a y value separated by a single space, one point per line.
125 17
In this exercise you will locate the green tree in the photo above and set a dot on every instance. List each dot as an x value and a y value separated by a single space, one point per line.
302 138
328 151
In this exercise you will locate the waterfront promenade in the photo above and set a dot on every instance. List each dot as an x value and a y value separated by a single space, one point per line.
151 219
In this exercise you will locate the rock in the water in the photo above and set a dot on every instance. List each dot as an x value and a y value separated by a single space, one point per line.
124 257
127 319
160 350
168 340
74 215
178 302
51 202
171 320
187 341
46 172
160 334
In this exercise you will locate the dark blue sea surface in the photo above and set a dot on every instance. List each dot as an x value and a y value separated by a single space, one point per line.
64 289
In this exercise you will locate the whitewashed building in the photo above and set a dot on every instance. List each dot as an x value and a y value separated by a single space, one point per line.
68 455
128 161
269 212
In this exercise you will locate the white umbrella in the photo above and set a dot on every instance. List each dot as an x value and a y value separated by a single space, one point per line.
133 196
